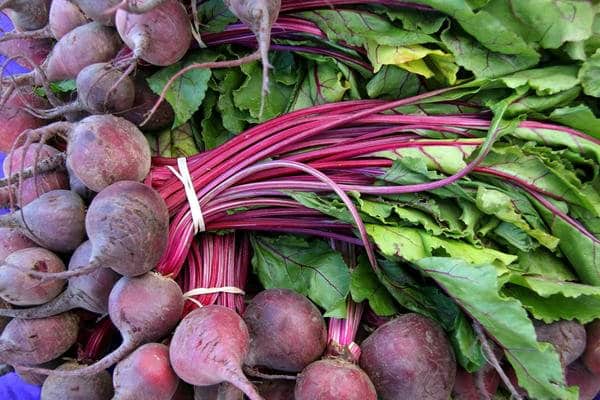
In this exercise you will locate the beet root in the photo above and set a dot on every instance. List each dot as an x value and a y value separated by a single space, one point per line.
18 288
64 17
89 292
591 356
587 382
333 379
27 15
224 391
104 149
14 119
25 50
36 341
102 11
146 374
409 358
277 389
145 99
567 337
89 387
150 35
287 331
55 220
217 338
30 189
466 386
11 240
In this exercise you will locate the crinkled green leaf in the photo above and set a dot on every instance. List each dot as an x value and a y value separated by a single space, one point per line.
307 265
545 81
476 289
415 20
551 301
364 286
579 117
234 119
213 134
413 244
589 75
543 263
483 62
533 104
188 91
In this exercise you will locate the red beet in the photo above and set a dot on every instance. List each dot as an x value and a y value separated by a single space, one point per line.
36 341
11 240
145 99
587 382
89 387
334 379
14 119
145 374
466 387
215 337
18 288
27 15
277 389
409 358
42 183
591 357
287 331
567 337
26 50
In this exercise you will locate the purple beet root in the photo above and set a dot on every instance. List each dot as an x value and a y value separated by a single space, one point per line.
588 383
591 357
18 288
224 391
332 379
466 386
64 17
88 387
55 220
277 389
14 119
287 331
34 50
145 99
42 183
104 149
215 337
409 358
27 15
89 292
146 374
150 35
36 341
102 11
11 240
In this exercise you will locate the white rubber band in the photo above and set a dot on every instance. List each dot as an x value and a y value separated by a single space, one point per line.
186 179
225 289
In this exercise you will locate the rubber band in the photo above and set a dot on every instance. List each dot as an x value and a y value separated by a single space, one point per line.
186 179
225 289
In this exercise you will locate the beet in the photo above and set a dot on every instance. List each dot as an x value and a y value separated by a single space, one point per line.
36 341
287 331
223 391
89 292
151 35
32 188
409 358
25 50
11 240
14 119
277 389
101 89
591 356
27 15
146 374
216 338
33 378
89 387
55 220
578 375
333 379
99 10
567 337
104 149
466 387
145 99
4 321
64 17
18 288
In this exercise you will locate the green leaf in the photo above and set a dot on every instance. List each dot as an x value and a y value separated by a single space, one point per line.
213 134
532 104
545 81
543 263
553 300
392 82
483 62
589 75
324 83
413 244
306 265
579 117
214 16
187 92
476 290
234 119
470 356
415 20
174 143
364 285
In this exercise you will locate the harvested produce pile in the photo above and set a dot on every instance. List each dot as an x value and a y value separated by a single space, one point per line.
302 199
